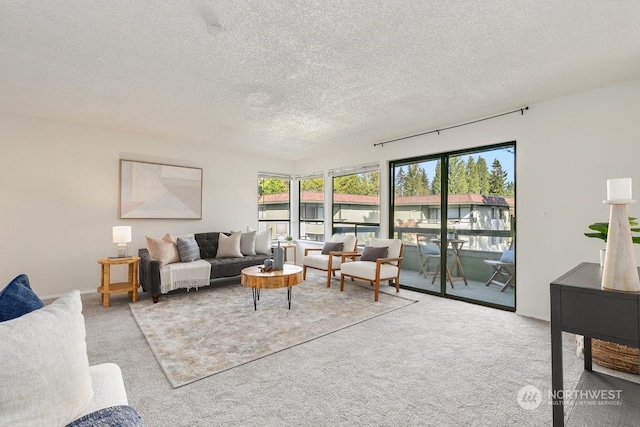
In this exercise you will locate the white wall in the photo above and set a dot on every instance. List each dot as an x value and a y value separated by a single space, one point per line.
59 190
566 150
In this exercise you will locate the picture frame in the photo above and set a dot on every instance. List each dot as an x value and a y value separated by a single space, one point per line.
159 191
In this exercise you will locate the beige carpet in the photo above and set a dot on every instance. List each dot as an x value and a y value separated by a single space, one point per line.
200 333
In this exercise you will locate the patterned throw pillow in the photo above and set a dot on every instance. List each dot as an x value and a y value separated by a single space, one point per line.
188 249
372 253
17 299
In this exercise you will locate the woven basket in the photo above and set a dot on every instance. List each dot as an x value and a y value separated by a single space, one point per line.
614 356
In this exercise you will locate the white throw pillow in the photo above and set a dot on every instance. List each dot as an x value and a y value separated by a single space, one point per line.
45 370
229 246
263 242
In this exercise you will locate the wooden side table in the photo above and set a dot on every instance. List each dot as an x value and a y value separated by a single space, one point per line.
131 285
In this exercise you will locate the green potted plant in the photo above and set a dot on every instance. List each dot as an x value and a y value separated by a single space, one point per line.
600 230
288 238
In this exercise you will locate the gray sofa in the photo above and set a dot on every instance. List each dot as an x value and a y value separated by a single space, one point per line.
208 245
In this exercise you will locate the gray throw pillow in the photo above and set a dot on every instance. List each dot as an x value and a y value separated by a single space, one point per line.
188 249
331 246
248 243
372 253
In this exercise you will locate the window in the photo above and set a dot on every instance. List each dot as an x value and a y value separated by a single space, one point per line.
471 226
312 208
356 202
274 204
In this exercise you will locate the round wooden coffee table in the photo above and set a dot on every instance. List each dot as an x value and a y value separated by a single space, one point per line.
253 278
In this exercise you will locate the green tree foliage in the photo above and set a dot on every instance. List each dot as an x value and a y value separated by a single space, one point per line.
416 182
400 179
272 186
364 184
497 179
510 189
313 184
473 179
457 176
437 179
483 175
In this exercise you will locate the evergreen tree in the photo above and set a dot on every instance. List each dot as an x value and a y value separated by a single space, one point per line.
497 179
400 179
416 181
457 176
472 176
510 190
483 175
437 179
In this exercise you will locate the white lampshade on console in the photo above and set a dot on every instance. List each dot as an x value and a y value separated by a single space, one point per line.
619 190
122 236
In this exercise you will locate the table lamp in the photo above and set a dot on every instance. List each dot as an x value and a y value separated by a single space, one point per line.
121 237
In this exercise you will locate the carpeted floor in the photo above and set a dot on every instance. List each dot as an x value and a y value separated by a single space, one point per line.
437 362
200 333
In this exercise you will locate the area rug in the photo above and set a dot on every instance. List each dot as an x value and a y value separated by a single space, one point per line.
200 333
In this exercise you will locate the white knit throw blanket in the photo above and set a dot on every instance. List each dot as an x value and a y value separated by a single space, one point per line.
184 275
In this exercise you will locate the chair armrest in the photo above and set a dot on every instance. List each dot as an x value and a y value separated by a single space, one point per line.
307 250
351 255
387 260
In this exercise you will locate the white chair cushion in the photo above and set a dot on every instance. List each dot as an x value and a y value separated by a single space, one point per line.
367 270
394 246
349 242
108 387
321 262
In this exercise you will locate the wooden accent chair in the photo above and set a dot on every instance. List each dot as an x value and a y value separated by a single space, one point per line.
378 262
503 270
326 259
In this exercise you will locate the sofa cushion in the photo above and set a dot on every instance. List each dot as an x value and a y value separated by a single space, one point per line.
17 299
370 253
164 250
229 246
263 242
45 370
188 249
248 243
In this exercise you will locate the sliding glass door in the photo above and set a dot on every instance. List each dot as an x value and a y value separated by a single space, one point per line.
455 213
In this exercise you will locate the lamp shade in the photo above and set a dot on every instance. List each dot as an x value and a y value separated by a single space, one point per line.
281 228
121 234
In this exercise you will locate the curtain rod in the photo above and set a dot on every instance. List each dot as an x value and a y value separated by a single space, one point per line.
519 110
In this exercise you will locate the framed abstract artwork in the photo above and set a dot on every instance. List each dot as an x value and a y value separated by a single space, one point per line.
154 190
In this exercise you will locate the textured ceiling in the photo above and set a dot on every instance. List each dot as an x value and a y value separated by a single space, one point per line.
300 77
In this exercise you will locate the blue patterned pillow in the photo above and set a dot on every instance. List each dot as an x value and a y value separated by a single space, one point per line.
188 249
121 416
17 299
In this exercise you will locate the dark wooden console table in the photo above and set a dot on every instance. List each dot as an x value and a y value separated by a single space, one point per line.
579 305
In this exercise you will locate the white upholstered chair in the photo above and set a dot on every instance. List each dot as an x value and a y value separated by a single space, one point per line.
375 264
329 257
